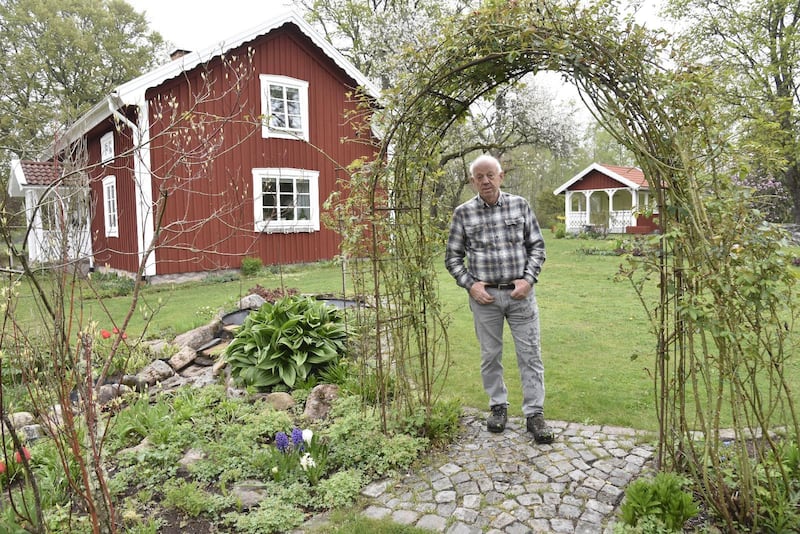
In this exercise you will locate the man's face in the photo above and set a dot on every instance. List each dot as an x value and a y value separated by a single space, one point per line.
486 179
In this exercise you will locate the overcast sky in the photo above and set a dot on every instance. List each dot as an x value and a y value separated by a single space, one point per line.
198 24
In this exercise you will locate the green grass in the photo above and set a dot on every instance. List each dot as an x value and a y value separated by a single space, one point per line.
597 348
591 327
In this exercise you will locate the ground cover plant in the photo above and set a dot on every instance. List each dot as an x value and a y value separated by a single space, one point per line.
305 467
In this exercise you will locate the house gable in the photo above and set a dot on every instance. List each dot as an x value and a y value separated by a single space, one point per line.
597 176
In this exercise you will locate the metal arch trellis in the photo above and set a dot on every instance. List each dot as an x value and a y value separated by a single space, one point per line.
390 238
662 116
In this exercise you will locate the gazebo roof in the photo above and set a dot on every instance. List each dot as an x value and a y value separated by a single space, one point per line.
631 177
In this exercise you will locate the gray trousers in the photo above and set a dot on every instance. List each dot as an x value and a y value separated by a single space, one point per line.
523 321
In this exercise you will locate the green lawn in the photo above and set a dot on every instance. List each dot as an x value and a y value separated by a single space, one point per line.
597 349
590 325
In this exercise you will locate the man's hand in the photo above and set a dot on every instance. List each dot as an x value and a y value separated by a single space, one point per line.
521 289
478 292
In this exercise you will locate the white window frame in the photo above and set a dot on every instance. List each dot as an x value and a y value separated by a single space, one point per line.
110 211
286 175
268 128
107 147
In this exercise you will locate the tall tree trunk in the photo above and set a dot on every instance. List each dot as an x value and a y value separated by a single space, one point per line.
792 183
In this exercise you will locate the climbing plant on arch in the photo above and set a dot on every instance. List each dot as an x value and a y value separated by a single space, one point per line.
723 319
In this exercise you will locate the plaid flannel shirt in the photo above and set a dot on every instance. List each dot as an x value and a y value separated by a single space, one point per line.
500 243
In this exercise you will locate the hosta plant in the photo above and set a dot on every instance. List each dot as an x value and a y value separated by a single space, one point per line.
286 342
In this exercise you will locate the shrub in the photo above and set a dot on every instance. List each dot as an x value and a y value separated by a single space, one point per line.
111 284
661 501
560 230
287 341
251 266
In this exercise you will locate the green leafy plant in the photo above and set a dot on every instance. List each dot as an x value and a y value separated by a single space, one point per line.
111 284
340 489
272 515
193 500
251 266
287 341
661 500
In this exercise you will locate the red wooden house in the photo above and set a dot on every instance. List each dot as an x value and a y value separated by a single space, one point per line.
608 198
224 154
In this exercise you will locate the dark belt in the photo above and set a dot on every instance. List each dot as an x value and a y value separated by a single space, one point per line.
500 286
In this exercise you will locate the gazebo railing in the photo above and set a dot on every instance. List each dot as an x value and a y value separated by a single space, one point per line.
618 221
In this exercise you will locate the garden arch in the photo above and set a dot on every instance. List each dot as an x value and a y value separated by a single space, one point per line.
664 118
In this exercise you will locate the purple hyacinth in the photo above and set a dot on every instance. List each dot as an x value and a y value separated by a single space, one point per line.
297 438
282 441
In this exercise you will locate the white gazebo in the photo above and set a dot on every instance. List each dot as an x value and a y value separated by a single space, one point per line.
57 212
608 199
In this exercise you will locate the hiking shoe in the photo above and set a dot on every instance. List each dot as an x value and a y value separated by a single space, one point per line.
538 427
496 422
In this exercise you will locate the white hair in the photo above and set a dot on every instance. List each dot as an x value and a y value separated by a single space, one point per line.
485 158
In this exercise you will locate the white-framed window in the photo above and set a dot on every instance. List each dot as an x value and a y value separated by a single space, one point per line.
286 200
284 107
107 147
110 206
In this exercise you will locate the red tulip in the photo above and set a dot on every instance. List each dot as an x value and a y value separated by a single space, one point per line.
105 333
2 467
124 335
116 330
18 457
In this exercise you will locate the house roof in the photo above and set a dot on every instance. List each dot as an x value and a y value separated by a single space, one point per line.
133 91
631 177
32 174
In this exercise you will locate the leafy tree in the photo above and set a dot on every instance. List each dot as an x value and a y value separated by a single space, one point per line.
57 59
383 38
754 49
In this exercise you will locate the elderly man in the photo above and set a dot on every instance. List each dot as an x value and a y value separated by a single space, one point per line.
495 251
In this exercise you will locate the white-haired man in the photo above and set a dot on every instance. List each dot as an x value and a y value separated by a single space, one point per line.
495 251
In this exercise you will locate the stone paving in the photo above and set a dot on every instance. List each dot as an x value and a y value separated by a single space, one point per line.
508 484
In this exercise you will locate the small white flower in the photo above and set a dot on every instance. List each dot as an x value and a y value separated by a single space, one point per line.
275 470
307 462
307 435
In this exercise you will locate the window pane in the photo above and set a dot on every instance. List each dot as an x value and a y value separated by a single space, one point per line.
277 107
293 94
276 91
268 199
287 186
287 199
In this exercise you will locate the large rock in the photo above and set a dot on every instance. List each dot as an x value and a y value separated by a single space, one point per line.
156 347
156 371
249 493
280 401
134 382
318 404
199 376
20 419
109 392
182 358
251 302
199 336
